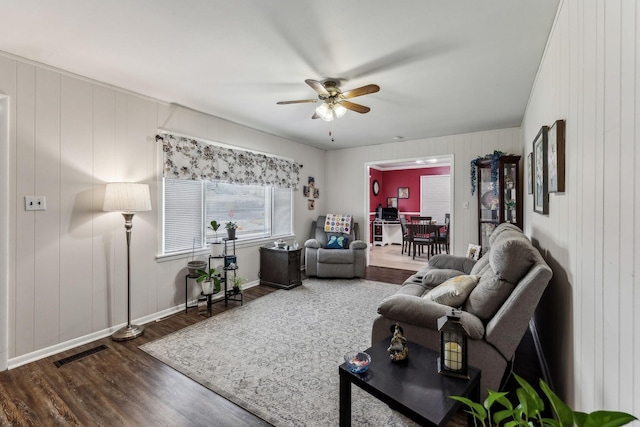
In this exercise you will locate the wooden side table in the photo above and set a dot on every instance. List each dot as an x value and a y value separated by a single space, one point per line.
280 268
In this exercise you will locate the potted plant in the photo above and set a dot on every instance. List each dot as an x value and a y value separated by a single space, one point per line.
210 281
530 407
193 266
231 229
237 282
216 245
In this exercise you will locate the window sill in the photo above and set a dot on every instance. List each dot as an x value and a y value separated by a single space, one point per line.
205 251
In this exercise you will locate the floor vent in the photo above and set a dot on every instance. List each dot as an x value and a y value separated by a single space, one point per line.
80 355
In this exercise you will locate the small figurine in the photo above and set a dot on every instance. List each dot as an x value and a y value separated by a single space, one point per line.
398 350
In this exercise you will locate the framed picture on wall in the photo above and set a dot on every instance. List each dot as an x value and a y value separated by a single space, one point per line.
541 173
555 157
529 174
392 202
403 192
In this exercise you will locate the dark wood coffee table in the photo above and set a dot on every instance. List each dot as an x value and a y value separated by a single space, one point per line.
412 387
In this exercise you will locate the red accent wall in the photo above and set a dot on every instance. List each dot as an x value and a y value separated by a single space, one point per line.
390 181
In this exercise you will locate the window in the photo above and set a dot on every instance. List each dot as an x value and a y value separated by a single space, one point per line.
261 212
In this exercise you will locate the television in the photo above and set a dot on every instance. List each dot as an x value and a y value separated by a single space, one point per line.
387 214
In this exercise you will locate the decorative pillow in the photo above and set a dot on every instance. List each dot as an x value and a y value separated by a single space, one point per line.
337 241
435 276
453 292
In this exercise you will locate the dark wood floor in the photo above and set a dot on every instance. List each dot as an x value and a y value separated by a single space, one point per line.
123 386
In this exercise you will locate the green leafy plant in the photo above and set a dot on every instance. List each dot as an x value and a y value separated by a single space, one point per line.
211 275
215 225
231 225
237 282
530 407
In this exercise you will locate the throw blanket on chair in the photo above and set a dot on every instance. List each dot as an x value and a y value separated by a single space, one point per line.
337 223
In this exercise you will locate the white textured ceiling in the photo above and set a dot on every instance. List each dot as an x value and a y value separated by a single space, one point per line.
444 66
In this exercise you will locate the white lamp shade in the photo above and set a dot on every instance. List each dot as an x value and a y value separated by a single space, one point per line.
127 197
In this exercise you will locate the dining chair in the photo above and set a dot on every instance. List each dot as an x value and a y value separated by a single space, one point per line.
443 237
422 235
405 236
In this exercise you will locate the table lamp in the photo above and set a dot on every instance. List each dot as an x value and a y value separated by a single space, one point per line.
128 198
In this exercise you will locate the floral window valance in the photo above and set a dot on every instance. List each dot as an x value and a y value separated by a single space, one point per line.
186 158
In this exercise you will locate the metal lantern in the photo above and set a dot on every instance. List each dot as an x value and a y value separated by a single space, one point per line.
453 346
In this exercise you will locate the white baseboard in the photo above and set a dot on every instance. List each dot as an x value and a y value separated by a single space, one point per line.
94 336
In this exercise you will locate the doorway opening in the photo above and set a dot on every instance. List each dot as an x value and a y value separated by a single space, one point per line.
400 185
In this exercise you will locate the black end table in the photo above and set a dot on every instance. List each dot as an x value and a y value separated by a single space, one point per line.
412 387
280 268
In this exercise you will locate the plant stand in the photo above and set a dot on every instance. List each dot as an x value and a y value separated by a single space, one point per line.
230 269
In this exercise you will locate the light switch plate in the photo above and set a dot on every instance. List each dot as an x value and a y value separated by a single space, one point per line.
35 203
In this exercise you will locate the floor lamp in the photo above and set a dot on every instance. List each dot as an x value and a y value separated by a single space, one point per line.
128 198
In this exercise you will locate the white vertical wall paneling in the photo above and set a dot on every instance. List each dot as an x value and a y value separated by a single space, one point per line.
8 87
4 229
25 238
76 266
626 173
587 325
574 132
104 135
47 223
598 190
151 242
610 196
119 260
635 317
589 75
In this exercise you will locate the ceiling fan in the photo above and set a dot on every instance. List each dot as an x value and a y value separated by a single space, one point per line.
334 101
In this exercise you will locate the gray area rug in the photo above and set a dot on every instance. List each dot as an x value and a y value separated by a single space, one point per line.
278 356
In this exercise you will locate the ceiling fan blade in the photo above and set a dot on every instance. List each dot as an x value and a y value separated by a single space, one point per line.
355 107
296 102
315 116
364 90
317 86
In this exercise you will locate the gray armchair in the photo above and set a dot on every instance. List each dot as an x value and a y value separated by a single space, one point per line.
346 263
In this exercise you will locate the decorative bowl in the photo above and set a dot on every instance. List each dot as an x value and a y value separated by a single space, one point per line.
280 244
357 361
194 266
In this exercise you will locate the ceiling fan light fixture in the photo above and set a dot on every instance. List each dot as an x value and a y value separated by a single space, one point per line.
325 111
339 109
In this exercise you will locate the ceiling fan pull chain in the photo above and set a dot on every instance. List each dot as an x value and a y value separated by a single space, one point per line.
331 132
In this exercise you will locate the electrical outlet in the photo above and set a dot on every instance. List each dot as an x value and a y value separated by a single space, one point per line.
35 203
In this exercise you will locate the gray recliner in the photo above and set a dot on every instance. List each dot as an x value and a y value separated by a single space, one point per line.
506 286
334 263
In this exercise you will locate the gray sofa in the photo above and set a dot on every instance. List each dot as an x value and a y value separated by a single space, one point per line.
334 263
498 295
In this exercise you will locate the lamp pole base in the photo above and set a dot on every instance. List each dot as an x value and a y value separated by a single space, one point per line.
129 332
